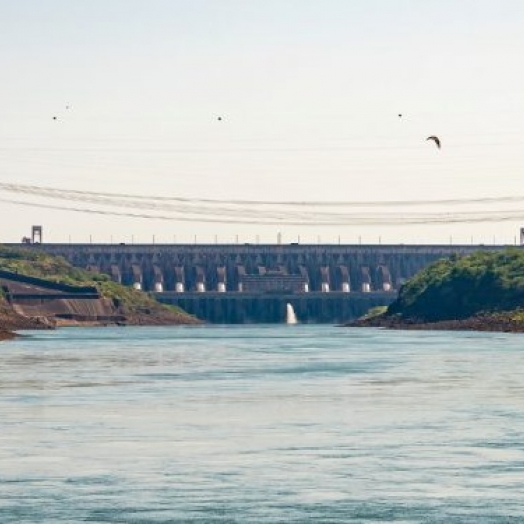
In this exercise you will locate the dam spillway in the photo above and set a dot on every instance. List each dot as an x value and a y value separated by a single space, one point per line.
236 283
270 308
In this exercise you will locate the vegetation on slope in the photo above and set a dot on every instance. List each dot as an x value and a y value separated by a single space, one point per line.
462 287
138 306
42 265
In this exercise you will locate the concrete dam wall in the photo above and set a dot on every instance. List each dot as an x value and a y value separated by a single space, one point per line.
245 282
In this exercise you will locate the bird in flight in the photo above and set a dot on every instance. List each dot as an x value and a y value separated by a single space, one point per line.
435 139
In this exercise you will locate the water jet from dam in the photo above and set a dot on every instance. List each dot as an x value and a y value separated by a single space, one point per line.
291 317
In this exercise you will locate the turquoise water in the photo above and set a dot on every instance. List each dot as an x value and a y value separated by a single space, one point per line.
261 424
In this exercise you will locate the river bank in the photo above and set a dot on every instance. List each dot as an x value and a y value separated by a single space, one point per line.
498 322
154 315
6 335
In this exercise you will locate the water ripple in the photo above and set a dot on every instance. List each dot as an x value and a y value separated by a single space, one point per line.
262 424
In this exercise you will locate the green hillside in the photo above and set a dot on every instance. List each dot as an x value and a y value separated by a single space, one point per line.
462 287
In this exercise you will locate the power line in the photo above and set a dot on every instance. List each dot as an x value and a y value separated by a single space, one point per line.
444 218
48 191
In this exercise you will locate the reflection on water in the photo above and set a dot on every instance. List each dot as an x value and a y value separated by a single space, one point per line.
261 424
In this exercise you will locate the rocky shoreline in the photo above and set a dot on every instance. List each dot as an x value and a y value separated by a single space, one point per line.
10 321
497 322
7 335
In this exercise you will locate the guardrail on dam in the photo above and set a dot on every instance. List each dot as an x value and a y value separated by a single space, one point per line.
251 282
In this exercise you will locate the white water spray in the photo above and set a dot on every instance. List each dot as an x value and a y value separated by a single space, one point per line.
291 317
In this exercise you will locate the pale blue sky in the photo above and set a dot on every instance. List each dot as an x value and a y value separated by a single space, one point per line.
309 93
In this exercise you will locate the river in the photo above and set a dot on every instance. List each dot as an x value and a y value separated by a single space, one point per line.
261 424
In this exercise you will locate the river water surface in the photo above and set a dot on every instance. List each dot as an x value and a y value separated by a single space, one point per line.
261 424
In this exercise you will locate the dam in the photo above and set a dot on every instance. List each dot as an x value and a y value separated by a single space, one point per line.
239 283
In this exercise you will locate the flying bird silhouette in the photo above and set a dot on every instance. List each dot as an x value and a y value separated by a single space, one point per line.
436 139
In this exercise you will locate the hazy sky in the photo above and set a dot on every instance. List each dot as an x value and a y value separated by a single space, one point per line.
309 93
